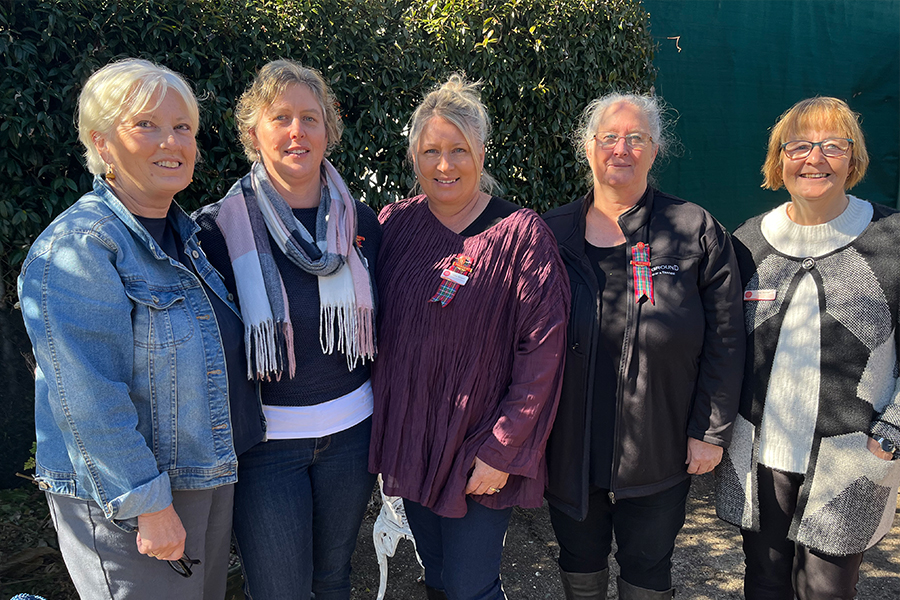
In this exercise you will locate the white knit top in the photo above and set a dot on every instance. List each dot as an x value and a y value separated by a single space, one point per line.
792 400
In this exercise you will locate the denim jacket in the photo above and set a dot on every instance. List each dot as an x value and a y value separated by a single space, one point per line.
131 390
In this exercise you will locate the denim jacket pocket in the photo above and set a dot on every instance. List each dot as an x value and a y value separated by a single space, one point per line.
161 318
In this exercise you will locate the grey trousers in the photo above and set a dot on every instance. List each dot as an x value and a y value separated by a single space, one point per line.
104 563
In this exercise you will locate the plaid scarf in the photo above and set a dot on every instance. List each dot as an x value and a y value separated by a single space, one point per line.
251 211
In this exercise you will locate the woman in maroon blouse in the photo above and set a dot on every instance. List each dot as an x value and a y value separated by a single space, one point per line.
474 302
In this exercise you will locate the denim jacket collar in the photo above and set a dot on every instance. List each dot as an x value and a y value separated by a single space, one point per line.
183 224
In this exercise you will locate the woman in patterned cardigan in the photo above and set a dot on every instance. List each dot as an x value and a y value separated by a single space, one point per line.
811 476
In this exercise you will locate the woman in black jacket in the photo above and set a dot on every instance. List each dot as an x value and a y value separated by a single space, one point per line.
654 360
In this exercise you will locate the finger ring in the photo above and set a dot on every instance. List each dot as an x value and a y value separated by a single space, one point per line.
495 490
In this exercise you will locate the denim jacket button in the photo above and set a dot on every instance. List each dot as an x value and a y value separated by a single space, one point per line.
155 299
231 297
195 254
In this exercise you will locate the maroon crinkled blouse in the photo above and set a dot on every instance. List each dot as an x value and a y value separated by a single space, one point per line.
478 377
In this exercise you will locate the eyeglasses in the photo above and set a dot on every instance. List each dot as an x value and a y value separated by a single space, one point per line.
183 565
832 148
635 141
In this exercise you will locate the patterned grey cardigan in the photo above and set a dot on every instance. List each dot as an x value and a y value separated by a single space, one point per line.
847 501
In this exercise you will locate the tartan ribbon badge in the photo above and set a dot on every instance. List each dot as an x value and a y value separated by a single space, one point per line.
640 268
455 275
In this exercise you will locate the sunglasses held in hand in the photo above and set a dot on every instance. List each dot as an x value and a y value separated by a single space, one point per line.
183 565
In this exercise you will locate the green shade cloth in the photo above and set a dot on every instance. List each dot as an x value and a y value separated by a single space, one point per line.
731 67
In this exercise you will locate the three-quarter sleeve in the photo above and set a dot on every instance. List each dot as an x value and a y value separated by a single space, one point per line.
527 410
887 422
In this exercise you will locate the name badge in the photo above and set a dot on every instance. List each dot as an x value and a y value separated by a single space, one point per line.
455 277
759 295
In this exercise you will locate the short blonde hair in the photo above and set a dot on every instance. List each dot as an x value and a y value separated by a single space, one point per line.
269 84
815 113
120 90
457 101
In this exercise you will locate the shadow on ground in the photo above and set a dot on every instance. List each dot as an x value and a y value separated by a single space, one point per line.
708 559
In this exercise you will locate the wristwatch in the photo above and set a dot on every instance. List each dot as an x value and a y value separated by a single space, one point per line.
888 446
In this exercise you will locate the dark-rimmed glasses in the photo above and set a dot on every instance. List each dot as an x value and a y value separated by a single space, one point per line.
832 148
635 141
183 565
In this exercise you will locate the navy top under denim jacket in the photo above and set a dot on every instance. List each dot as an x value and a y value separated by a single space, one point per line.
131 388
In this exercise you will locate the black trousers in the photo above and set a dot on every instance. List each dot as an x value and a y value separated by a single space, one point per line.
645 530
779 569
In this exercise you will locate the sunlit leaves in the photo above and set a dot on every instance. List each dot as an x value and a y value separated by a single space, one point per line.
541 62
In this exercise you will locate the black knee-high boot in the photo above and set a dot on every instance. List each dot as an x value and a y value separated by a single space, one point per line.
585 586
633 592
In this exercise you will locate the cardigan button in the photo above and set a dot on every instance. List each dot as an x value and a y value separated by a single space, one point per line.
808 263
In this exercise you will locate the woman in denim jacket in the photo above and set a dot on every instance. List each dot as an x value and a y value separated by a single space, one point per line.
134 393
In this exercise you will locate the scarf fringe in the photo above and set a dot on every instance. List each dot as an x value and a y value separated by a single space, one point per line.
350 330
270 346
288 330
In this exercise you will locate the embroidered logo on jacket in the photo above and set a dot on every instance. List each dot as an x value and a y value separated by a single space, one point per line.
664 269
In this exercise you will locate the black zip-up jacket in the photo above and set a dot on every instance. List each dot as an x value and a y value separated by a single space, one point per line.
682 356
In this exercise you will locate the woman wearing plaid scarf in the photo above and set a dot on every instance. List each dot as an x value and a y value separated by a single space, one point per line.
297 250
654 360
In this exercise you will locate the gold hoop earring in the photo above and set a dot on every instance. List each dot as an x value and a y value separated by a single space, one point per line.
110 174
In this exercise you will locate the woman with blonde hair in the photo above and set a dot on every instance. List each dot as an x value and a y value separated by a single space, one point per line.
297 251
138 349
812 474
471 338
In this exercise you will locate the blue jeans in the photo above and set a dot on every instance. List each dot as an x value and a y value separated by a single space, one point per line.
298 505
645 530
461 556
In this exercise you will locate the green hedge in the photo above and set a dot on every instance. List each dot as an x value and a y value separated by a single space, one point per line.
541 62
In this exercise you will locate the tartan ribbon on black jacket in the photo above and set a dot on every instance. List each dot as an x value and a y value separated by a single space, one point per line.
463 266
640 268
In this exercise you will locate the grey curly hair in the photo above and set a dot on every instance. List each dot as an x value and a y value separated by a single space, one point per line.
652 107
